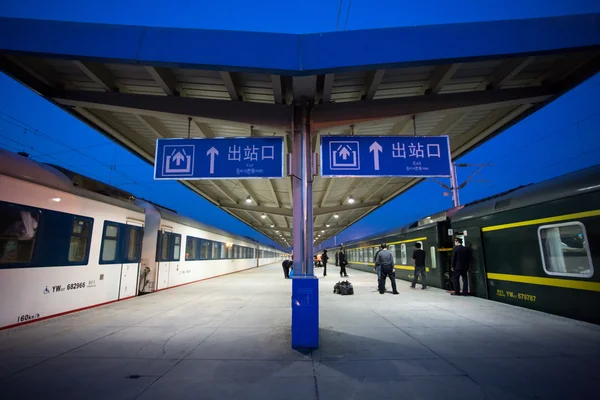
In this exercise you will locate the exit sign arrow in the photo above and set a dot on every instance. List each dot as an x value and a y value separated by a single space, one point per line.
212 152
376 148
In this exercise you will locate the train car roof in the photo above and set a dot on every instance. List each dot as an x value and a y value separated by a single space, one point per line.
568 185
422 223
22 167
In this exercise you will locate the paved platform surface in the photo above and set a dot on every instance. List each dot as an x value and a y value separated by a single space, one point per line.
229 338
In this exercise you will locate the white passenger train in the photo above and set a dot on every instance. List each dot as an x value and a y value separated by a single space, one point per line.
68 243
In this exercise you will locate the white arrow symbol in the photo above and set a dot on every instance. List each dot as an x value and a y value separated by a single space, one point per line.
376 148
344 153
212 152
178 158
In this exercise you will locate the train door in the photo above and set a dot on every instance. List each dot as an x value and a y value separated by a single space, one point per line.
477 274
472 240
132 252
162 257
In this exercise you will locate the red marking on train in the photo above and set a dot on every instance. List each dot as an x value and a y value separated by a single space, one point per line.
65 313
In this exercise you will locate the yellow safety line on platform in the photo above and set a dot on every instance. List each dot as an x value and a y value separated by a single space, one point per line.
559 218
534 280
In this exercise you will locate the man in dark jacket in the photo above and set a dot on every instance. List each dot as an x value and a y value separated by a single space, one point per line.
385 263
324 259
419 257
377 269
343 263
286 268
460 266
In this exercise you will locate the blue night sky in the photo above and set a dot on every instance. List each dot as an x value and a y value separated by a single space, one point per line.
560 138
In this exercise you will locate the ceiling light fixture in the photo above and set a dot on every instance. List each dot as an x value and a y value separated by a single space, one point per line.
350 200
328 225
263 216
248 199
336 216
56 199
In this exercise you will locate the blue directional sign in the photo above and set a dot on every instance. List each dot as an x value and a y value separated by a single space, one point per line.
224 158
403 156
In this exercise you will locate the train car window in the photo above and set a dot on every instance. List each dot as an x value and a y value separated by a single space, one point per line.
205 249
403 259
191 251
565 250
176 247
18 230
80 239
216 250
133 244
392 248
164 246
371 255
110 240
433 254
223 251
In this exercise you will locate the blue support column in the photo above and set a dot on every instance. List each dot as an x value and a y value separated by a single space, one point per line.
305 312
305 286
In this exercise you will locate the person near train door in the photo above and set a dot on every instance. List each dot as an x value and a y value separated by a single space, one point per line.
419 257
343 263
460 266
324 259
385 262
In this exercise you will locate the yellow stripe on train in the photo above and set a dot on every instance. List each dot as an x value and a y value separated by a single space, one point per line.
404 267
548 220
535 280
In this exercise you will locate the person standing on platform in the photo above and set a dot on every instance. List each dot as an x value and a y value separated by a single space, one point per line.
286 268
324 259
337 255
377 269
385 263
419 257
343 263
460 266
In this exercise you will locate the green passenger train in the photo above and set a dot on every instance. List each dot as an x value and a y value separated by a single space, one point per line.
534 246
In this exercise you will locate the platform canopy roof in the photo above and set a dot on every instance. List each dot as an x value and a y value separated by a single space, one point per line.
135 84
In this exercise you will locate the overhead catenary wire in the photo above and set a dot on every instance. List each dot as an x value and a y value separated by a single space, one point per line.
49 137
347 14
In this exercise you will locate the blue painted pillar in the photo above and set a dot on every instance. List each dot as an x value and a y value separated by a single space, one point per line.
305 286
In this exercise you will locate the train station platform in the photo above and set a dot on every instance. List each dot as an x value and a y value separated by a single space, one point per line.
229 338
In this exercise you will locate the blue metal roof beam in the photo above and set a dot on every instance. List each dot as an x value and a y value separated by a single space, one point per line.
290 54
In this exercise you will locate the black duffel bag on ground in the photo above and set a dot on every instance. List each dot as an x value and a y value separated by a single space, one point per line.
344 288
